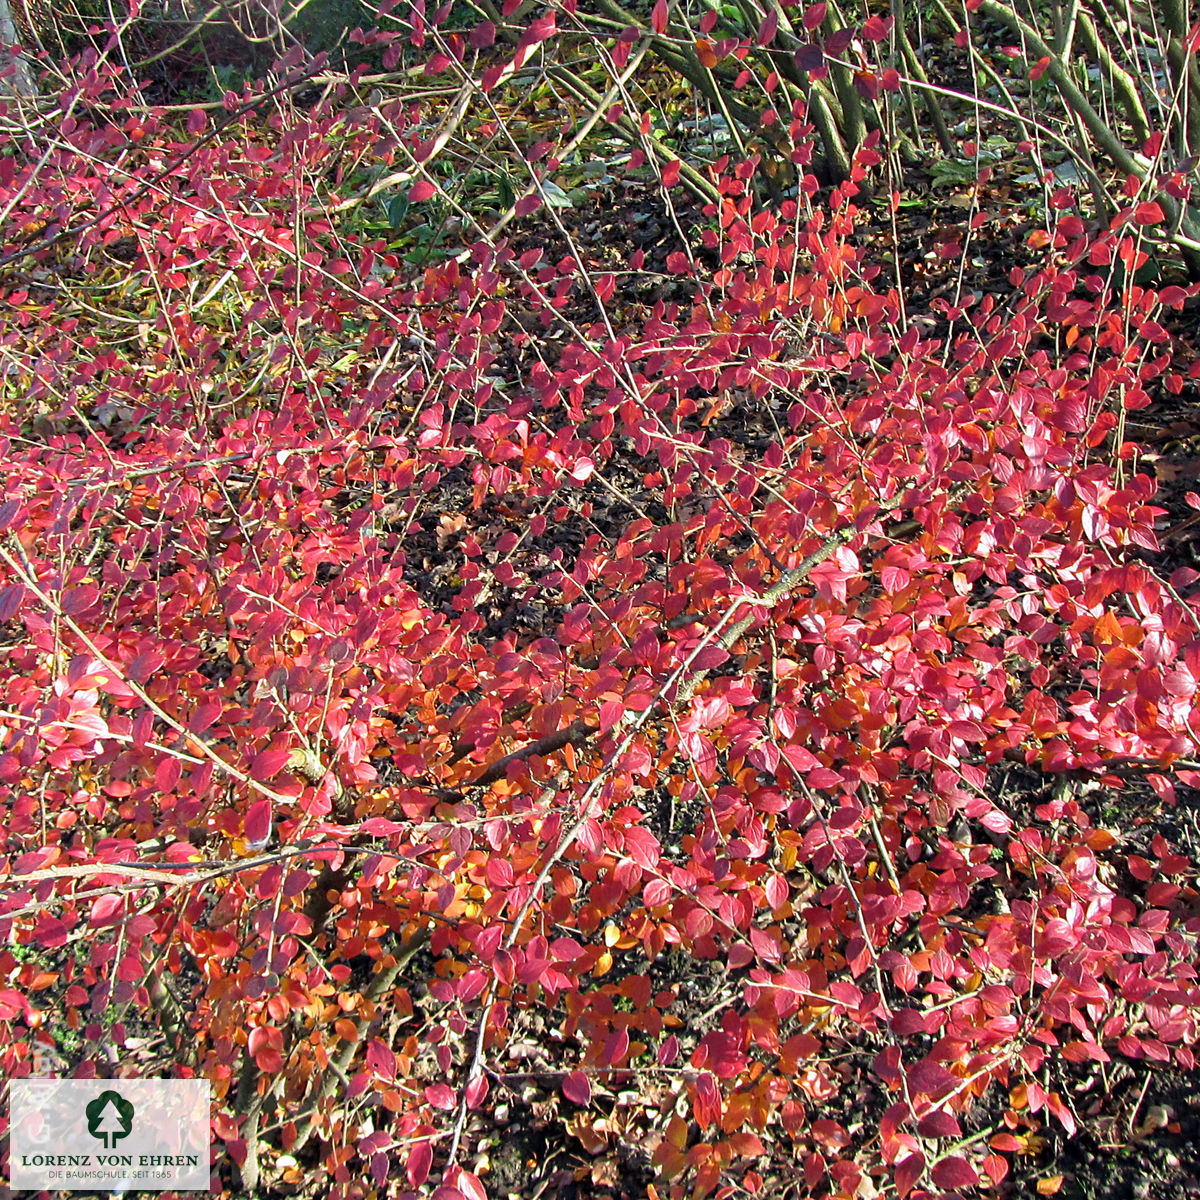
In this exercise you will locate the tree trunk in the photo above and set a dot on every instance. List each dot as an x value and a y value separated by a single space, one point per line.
21 81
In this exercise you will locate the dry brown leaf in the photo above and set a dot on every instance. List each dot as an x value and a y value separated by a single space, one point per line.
448 527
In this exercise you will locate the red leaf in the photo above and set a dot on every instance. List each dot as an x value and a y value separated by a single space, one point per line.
269 763
205 716
809 58
955 1172
420 1160
80 599
658 16
258 823
1054 1103
616 1046
421 190
1140 868
768 28
996 1167
996 822
144 666
838 42
611 711
11 599
1149 212
814 15
441 1096
9 512
381 1059
577 1088
471 1186
539 30
483 35
106 909
477 1091
531 970
269 1061
908 1172
488 941
706 1105
725 1056
12 1004
939 1123
1039 69
380 826
167 774
926 1077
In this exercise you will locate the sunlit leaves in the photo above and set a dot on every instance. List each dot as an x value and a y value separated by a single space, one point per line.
441 641
576 1088
422 190
1149 212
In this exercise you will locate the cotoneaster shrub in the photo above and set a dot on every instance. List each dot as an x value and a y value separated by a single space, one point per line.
404 668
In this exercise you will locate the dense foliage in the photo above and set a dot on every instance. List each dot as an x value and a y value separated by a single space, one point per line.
418 661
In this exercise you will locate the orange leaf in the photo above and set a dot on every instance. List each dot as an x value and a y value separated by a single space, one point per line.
1050 1185
704 52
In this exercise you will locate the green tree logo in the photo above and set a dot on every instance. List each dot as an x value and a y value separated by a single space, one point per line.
109 1118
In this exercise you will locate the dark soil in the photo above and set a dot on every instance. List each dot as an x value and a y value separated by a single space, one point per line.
1139 1141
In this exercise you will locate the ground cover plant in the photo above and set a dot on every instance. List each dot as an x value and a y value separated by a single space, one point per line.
546 654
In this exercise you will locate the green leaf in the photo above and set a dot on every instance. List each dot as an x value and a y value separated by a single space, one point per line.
555 196
397 210
949 172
